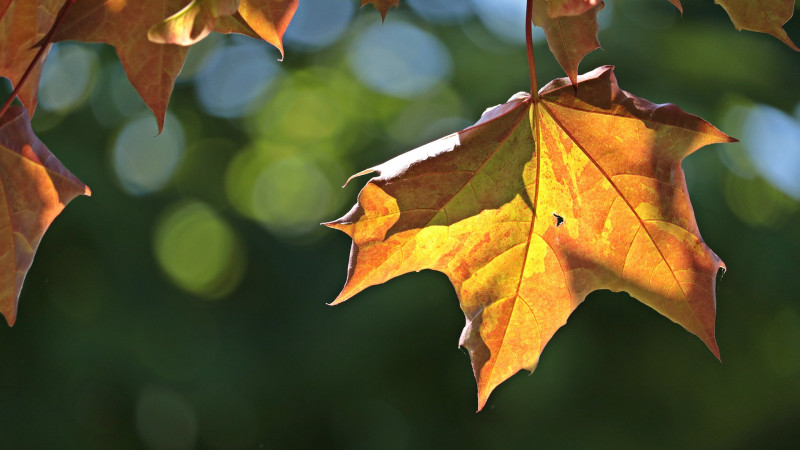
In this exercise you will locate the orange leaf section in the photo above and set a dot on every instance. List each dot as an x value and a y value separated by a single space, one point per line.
382 5
264 19
558 8
537 205
22 25
193 23
677 4
35 188
765 16
269 18
570 38
151 68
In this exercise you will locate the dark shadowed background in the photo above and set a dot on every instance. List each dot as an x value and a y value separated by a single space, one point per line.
183 305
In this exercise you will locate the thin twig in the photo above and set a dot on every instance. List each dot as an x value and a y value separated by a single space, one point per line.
529 45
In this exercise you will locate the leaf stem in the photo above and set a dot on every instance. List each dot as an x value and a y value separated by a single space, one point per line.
44 44
529 45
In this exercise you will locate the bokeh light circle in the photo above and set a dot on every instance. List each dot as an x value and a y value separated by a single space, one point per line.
144 163
442 11
318 23
235 77
165 420
399 59
67 77
198 250
289 195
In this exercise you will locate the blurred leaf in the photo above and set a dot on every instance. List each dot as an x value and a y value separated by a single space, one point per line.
541 202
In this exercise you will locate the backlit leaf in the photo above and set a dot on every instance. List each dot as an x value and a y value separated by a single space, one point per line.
22 26
538 204
191 24
382 5
570 38
264 19
765 16
145 34
35 188
151 67
269 18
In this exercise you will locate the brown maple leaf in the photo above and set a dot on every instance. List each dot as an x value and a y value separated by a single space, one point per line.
35 189
151 68
23 24
541 202
570 37
382 5
765 16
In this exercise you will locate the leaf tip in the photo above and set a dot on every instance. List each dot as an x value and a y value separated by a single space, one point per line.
343 296
160 122
332 224
11 316
678 5
356 175
481 404
711 343
279 45
483 397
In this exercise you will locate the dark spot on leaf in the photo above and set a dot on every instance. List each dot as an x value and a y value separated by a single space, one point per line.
559 220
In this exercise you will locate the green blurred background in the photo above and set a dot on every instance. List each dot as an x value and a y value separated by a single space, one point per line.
183 305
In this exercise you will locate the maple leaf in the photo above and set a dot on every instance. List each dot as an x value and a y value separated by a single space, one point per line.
151 68
382 5
192 23
35 189
570 38
765 16
269 18
22 25
265 19
541 202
